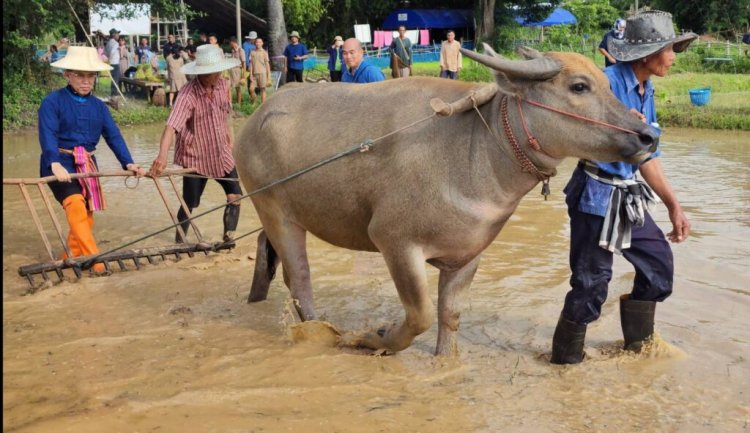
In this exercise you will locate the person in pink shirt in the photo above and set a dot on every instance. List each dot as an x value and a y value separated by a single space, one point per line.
201 123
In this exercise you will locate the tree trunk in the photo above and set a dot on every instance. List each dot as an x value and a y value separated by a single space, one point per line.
277 34
487 23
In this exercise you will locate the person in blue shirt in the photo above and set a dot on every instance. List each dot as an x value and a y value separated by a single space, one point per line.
358 69
608 205
294 57
616 33
71 122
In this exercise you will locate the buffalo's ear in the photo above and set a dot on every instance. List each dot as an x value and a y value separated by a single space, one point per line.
529 53
505 85
489 51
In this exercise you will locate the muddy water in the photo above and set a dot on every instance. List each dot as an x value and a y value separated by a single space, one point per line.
175 348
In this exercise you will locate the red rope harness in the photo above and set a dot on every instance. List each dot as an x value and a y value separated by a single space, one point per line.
569 114
526 164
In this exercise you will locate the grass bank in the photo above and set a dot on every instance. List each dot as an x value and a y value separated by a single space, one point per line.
729 107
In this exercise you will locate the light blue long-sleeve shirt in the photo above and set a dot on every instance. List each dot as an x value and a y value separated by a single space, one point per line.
587 194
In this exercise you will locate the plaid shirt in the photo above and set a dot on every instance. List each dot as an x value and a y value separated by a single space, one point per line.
201 125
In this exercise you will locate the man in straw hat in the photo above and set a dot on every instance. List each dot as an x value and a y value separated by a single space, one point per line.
201 122
294 57
608 205
71 122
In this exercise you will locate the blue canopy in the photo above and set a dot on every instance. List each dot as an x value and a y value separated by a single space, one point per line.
429 19
557 17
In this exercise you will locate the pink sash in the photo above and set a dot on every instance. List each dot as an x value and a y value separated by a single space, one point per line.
90 186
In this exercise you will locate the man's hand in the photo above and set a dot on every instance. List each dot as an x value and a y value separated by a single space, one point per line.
158 166
638 114
60 172
680 226
135 168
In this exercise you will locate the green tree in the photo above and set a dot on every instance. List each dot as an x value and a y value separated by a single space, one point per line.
729 17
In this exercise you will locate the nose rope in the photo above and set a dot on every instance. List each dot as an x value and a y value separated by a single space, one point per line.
569 114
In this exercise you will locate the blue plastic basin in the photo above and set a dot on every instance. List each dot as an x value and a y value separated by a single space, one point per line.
700 97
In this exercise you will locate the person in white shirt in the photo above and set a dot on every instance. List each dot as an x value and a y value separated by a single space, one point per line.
113 53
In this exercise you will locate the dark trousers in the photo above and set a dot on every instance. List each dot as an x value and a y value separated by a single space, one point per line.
294 75
453 75
591 266
115 79
192 190
335 76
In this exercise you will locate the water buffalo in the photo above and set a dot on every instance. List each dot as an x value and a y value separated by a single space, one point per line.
437 192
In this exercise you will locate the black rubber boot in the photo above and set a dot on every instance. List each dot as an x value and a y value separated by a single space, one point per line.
637 319
182 217
231 218
567 343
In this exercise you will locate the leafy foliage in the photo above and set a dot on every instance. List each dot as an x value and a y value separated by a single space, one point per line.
729 17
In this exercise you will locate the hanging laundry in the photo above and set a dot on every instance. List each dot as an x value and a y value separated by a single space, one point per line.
424 37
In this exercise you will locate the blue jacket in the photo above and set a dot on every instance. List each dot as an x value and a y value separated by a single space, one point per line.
589 195
67 120
334 55
365 73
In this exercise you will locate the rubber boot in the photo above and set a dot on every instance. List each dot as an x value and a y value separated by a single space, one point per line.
182 218
231 218
80 221
637 320
567 343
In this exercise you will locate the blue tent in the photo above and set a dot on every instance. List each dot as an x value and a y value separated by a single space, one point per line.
429 19
557 17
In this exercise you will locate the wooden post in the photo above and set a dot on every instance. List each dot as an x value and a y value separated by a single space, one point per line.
35 217
55 222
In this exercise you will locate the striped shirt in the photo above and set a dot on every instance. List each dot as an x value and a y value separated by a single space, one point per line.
201 125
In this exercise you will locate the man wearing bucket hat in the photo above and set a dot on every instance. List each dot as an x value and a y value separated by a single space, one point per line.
71 122
608 205
294 56
201 123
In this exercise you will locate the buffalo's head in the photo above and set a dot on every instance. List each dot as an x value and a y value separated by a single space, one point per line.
572 83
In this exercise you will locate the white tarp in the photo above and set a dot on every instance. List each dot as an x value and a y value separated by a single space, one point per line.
101 19
362 32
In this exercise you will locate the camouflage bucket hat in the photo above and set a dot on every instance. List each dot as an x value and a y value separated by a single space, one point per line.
647 33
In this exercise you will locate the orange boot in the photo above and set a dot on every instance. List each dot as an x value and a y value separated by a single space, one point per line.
81 221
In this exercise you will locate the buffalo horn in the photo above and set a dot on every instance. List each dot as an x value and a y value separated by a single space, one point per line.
541 68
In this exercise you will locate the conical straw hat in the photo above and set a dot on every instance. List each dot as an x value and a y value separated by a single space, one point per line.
81 59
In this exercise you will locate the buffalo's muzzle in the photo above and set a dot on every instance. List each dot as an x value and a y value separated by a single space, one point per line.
649 138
